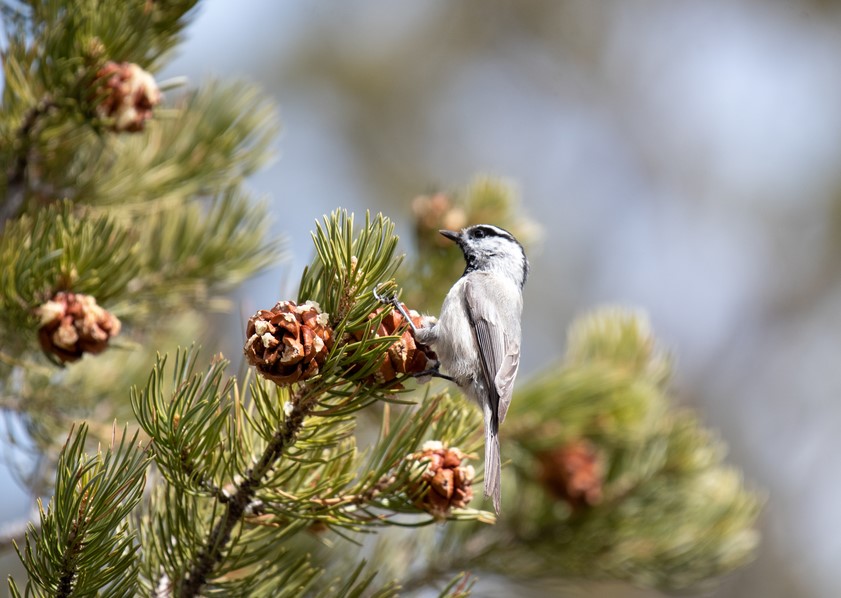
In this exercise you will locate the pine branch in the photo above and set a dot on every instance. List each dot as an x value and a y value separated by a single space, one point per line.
383 494
286 453
83 544
59 248
235 506
195 415
135 30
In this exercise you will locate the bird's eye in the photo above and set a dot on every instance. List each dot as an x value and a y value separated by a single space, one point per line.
478 233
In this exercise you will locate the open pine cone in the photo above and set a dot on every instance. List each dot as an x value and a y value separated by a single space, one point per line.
573 472
445 483
130 93
72 324
404 356
289 342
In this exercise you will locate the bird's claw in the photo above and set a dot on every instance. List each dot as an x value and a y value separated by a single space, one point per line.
395 303
384 299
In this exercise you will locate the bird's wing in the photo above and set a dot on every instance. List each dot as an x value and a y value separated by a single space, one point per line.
499 353
506 375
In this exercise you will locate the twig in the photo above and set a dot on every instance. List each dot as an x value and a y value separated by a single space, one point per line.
70 556
235 507
347 499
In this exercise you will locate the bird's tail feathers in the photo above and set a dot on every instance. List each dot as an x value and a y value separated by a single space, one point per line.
493 466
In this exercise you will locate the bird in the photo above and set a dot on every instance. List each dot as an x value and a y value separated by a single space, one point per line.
477 334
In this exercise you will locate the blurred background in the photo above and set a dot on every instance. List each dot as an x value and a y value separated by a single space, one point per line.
681 157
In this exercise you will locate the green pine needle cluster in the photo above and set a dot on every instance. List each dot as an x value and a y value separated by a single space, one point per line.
84 544
56 250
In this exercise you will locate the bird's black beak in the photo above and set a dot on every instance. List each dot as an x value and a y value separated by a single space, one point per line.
451 235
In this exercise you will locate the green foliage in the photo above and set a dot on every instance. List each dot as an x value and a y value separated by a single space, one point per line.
63 37
348 266
177 258
149 223
188 426
58 249
670 514
209 141
50 60
84 546
619 340
216 445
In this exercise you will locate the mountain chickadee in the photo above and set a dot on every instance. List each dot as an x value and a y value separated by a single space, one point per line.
477 336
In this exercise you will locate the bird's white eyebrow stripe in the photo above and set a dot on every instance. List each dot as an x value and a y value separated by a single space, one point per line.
500 232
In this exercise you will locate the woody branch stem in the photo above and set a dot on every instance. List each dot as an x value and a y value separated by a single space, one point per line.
213 551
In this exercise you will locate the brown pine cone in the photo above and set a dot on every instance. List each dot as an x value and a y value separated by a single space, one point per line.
404 356
574 473
445 483
289 342
128 95
73 324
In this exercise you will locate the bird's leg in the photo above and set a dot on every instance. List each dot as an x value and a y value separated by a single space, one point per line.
434 373
396 304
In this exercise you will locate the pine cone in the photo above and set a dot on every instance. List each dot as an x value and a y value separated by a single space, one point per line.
289 342
404 356
127 95
73 324
574 473
436 212
445 484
